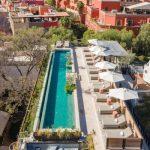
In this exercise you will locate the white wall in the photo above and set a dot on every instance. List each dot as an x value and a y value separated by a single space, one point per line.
146 73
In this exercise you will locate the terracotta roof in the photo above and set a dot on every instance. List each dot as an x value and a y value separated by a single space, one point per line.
29 15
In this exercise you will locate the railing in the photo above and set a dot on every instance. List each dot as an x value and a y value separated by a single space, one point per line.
137 120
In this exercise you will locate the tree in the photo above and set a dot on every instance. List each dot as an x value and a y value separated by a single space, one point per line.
60 34
142 41
51 2
126 38
80 6
89 34
78 29
127 59
30 45
110 35
66 21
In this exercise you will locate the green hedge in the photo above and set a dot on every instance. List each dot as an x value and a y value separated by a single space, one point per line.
28 122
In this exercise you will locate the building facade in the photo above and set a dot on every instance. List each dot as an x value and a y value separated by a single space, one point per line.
105 14
39 16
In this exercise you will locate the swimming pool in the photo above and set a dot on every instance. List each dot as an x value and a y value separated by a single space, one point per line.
58 106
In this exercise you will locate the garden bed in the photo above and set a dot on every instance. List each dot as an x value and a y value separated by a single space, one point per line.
28 122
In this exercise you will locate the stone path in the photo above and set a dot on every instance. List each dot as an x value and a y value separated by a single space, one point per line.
87 106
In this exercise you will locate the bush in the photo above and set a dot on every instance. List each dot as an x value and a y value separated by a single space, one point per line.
58 134
69 61
80 6
70 87
141 58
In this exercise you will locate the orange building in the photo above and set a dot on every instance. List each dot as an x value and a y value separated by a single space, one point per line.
105 14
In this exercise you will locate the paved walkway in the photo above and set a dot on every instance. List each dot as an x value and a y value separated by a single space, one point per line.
87 107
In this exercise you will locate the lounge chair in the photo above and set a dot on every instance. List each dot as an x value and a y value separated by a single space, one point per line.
90 63
93 77
104 108
109 122
67 44
133 144
100 85
86 50
115 144
92 71
118 133
100 97
89 59
59 44
88 54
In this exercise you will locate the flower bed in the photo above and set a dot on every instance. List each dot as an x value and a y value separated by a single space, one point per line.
70 85
58 134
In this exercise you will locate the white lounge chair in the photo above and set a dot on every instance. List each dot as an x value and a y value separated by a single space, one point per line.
67 44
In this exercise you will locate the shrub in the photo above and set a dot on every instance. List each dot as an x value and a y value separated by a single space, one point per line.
69 61
70 87
80 6
141 58
59 134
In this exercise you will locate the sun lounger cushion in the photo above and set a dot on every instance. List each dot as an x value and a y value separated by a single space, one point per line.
93 77
100 97
92 71
100 85
104 108
116 133
86 50
109 122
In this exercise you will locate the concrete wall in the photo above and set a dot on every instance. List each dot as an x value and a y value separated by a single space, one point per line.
146 74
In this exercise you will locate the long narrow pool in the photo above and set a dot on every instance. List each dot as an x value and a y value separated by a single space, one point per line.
58 106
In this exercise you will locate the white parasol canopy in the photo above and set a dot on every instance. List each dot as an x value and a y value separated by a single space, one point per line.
94 48
123 94
94 42
105 65
101 53
111 76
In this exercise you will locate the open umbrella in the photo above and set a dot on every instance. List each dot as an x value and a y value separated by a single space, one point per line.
93 48
101 53
94 42
123 94
105 65
111 76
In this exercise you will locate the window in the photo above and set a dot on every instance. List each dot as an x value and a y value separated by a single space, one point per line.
129 22
118 23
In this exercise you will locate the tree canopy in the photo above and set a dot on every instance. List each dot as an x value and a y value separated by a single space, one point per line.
60 34
142 41
31 45
78 29
124 37
51 2
66 21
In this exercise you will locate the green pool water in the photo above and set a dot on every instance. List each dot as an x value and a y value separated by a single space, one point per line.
58 106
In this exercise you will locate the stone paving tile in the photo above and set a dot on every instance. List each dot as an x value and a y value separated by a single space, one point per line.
88 111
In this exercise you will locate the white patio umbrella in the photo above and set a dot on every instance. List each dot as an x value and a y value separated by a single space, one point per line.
105 65
111 76
101 53
94 42
94 48
123 94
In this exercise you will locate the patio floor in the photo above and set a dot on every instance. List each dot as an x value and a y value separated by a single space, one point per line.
87 106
